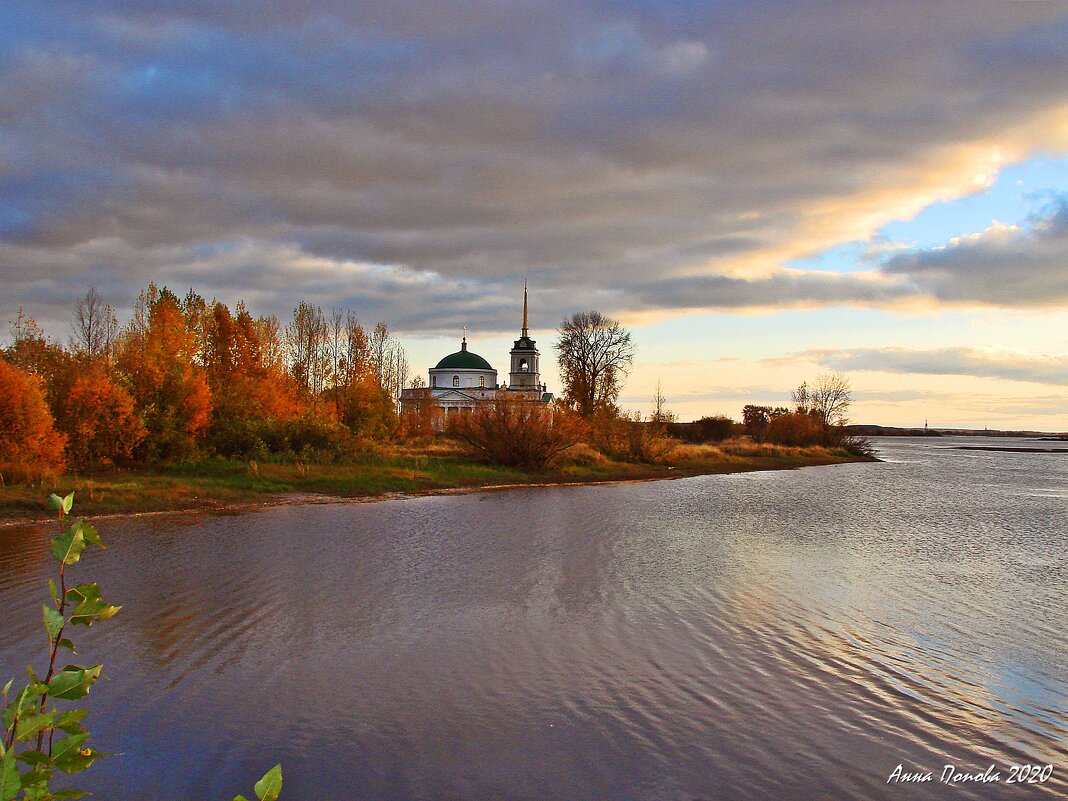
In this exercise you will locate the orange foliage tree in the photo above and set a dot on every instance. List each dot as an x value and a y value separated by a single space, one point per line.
422 415
169 388
30 447
245 369
98 416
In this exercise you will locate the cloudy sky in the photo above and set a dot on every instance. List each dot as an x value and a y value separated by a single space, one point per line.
759 190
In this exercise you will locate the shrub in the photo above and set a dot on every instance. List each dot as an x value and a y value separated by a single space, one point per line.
795 429
30 447
707 429
517 433
625 436
310 438
856 445
756 419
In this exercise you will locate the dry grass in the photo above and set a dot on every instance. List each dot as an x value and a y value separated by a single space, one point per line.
690 452
582 454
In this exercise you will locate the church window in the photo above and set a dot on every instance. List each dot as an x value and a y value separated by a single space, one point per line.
482 381
433 380
456 380
522 365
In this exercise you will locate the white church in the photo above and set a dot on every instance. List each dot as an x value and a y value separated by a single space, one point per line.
463 379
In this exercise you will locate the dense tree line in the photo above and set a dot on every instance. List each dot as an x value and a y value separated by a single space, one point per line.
187 378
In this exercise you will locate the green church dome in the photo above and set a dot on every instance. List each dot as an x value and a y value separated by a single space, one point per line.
463 360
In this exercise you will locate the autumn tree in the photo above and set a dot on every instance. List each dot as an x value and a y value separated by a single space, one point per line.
31 350
756 419
159 357
715 428
29 444
244 367
794 428
306 338
98 417
390 360
359 375
595 353
828 399
422 414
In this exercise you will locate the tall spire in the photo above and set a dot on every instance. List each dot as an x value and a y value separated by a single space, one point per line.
524 309
463 345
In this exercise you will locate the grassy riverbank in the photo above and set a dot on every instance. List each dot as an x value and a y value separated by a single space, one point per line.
220 483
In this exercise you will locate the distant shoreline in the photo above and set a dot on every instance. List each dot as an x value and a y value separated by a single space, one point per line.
865 430
228 486
1009 450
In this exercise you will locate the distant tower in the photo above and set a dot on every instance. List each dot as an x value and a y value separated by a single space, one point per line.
524 371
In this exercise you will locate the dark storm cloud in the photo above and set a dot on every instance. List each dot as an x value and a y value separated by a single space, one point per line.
621 156
948 361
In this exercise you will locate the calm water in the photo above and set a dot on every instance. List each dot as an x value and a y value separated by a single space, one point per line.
790 635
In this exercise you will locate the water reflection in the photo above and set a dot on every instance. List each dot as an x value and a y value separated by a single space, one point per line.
780 635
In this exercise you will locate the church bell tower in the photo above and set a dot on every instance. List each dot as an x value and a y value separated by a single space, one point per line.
524 370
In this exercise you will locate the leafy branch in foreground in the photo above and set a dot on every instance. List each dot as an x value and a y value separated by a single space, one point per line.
30 722
38 738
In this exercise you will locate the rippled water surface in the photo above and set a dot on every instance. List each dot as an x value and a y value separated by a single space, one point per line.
786 635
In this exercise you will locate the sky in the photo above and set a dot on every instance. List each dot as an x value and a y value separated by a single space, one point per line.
759 191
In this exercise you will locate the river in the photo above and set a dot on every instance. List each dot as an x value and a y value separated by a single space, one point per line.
779 635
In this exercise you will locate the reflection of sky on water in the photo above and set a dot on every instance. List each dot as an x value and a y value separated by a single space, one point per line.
793 634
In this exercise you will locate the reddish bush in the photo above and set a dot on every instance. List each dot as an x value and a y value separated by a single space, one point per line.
517 433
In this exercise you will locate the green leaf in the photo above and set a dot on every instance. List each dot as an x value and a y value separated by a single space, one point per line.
67 750
70 793
34 758
53 591
32 725
68 546
89 605
35 783
10 784
73 682
78 761
65 643
71 716
25 702
71 755
55 502
92 536
53 623
69 721
8 687
68 502
268 788
240 798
